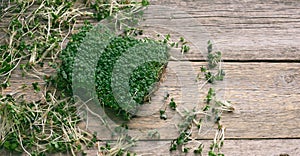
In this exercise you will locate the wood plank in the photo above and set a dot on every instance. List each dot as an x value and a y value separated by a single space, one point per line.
278 147
265 95
242 30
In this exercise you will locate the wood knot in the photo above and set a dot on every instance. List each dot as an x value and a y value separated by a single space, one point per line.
289 78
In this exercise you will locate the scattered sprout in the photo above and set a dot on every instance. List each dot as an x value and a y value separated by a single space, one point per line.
172 104
163 114
199 149
36 87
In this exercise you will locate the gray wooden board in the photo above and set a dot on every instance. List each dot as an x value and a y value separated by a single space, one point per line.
274 147
242 30
265 95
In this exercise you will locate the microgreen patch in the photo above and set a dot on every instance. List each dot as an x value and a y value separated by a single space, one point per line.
50 125
68 57
142 81
37 31
38 127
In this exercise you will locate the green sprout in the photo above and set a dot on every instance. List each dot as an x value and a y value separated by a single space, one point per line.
36 87
199 149
172 104
185 49
163 114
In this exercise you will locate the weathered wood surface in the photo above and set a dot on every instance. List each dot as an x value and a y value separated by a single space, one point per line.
242 30
276 147
266 95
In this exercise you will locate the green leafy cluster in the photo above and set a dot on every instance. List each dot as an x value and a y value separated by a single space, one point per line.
105 8
33 34
67 56
38 127
214 58
182 139
211 111
211 77
144 79
163 115
210 72
212 153
141 82
36 32
173 104
38 28
182 43
199 149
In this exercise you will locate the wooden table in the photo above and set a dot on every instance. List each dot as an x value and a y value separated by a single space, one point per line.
260 42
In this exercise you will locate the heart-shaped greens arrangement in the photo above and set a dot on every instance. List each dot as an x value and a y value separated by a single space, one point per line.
122 69
143 77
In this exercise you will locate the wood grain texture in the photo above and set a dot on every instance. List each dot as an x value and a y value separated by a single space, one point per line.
265 95
277 147
242 30
272 147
